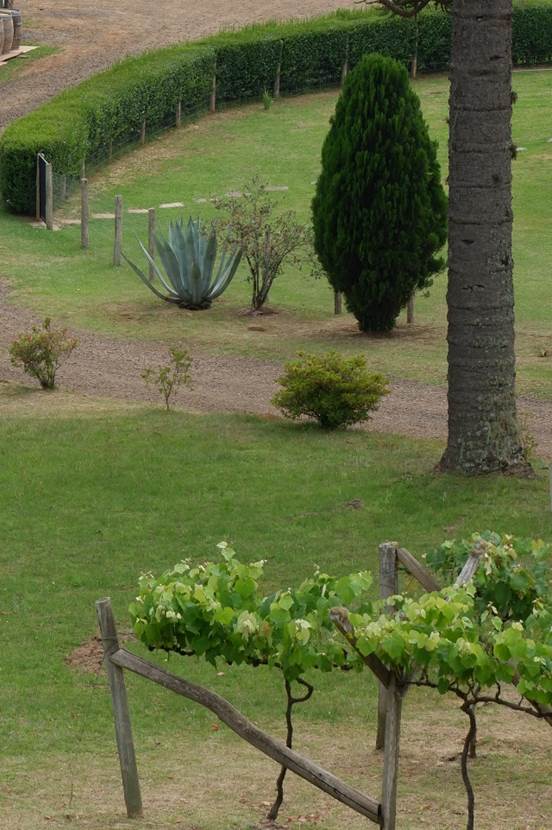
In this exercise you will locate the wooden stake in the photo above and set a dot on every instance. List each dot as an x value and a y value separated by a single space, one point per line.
118 244
337 302
85 214
278 79
49 197
410 312
151 239
389 585
123 730
345 70
213 101
37 202
179 112
391 758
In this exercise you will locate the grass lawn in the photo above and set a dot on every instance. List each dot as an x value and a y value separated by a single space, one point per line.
89 502
216 156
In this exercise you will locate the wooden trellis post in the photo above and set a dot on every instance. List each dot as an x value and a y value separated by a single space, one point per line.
123 730
389 585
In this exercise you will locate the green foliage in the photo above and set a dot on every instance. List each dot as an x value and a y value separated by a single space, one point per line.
109 108
172 376
379 212
188 257
335 390
267 100
215 610
42 351
513 576
267 239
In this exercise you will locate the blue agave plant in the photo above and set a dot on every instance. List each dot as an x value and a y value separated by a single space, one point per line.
188 259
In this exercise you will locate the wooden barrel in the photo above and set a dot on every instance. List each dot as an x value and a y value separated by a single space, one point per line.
16 18
7 23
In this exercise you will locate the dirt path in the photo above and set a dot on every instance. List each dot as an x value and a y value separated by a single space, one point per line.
92 36
105 367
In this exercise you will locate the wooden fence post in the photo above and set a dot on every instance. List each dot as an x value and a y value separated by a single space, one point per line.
410 312
277 80
213 101
338 297
118 244
123 730
49 197
85 214
179 112
389 585
345 70
391 757
151 240
37 202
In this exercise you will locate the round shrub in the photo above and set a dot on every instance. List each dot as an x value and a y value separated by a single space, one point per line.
380 210
335 390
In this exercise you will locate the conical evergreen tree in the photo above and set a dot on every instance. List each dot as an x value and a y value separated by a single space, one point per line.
379 211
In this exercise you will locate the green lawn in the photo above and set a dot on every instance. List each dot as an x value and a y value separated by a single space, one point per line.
217 155
88 503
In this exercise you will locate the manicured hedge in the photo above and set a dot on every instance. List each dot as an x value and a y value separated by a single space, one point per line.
108 109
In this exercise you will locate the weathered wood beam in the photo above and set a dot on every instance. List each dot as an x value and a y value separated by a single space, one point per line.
243 727
340 618
418 571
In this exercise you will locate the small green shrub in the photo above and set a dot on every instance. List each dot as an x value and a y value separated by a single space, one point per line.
42 351
267 100
335 390
170 377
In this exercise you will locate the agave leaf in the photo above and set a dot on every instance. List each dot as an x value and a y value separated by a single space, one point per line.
158 272
170 264
226 272
147 282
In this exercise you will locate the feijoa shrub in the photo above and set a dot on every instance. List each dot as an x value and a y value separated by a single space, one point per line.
335 390
41 351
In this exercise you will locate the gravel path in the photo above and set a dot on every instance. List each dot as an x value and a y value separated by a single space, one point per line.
92 36
105 367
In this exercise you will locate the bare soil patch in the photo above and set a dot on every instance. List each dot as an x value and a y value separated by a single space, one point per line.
107 368
91 37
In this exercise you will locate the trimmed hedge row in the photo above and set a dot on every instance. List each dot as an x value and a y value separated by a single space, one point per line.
107 110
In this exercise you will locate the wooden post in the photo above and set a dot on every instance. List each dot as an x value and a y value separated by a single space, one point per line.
151 239
118 244
37 201
391 758
179 112
337 302
389 585
143 131
49 197
123 729
213 101
345 70
85 214
410 312
277 80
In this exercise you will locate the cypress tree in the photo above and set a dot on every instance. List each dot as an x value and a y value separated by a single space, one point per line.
379 212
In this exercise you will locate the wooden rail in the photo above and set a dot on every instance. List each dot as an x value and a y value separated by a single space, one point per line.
117 659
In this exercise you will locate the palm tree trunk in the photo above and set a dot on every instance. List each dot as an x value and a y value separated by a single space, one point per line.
483 430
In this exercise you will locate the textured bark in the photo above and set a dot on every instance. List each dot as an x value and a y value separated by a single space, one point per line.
483 431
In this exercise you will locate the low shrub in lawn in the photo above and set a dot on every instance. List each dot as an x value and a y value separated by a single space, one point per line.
335 390
42 351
